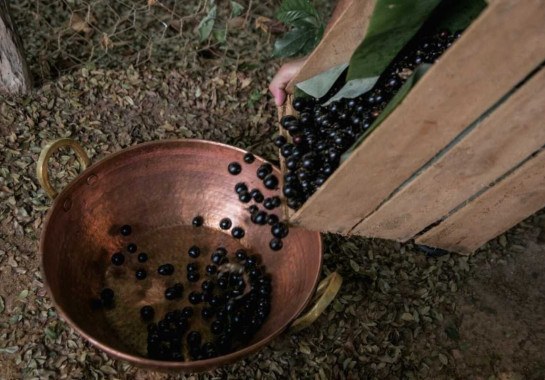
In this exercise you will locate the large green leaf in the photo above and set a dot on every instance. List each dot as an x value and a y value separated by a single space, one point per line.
396 100
455 15
292 11
320 84
297 41
392 25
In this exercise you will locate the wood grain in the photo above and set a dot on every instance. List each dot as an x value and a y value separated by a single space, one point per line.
513 132
515 198
339 42
14 75
495 53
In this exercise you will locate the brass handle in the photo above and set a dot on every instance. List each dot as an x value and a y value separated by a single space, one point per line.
326 292
41 170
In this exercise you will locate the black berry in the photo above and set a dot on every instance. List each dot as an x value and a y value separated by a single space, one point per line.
140 274
251 261
279 141
195 298
197 221
268 203
207 286
221 251
279 230
234 168
131 248
225 223
286 150
193 276
147 313
241 188
166 269
107 294
272 219
118 258
194 251
287 120
276 244
260 218
257 195
264 170
249 158
217 258
125 230
187 312
207 312
211 269
192 267
241 255
290 191
142 257
271 182
237 232
171 293
245 197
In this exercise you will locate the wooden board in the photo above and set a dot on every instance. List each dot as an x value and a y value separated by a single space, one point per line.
339 42
513 132
510 201
496 52
14 75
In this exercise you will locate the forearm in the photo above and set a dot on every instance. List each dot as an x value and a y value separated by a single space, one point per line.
341 6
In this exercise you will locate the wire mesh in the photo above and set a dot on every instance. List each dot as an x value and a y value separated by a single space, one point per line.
62 35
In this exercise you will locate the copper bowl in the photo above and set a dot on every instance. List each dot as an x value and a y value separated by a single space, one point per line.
158 188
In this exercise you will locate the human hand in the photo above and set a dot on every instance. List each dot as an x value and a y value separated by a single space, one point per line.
284 75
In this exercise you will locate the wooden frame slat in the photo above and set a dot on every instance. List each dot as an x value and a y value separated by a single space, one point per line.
507 203
496 52
513 132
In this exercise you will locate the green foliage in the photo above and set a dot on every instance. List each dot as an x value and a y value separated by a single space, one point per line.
210 28
236 8
306 28
254 97
207 24
292 12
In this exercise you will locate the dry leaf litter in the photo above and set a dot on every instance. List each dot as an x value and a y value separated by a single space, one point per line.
399 313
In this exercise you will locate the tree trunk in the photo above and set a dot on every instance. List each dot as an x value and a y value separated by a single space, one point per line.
14 75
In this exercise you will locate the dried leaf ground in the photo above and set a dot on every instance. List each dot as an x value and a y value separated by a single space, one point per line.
398 315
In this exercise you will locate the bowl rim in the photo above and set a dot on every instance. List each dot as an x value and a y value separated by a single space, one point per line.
182 366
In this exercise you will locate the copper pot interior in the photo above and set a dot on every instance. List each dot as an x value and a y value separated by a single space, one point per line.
158 188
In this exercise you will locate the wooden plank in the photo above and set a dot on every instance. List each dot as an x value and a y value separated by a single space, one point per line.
496 52
507 203
339 42
507 137
14 75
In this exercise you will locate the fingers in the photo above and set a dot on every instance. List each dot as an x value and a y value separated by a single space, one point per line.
278 86
286 73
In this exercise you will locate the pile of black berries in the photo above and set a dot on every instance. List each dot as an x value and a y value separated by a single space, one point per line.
321 134
225 302
233 302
